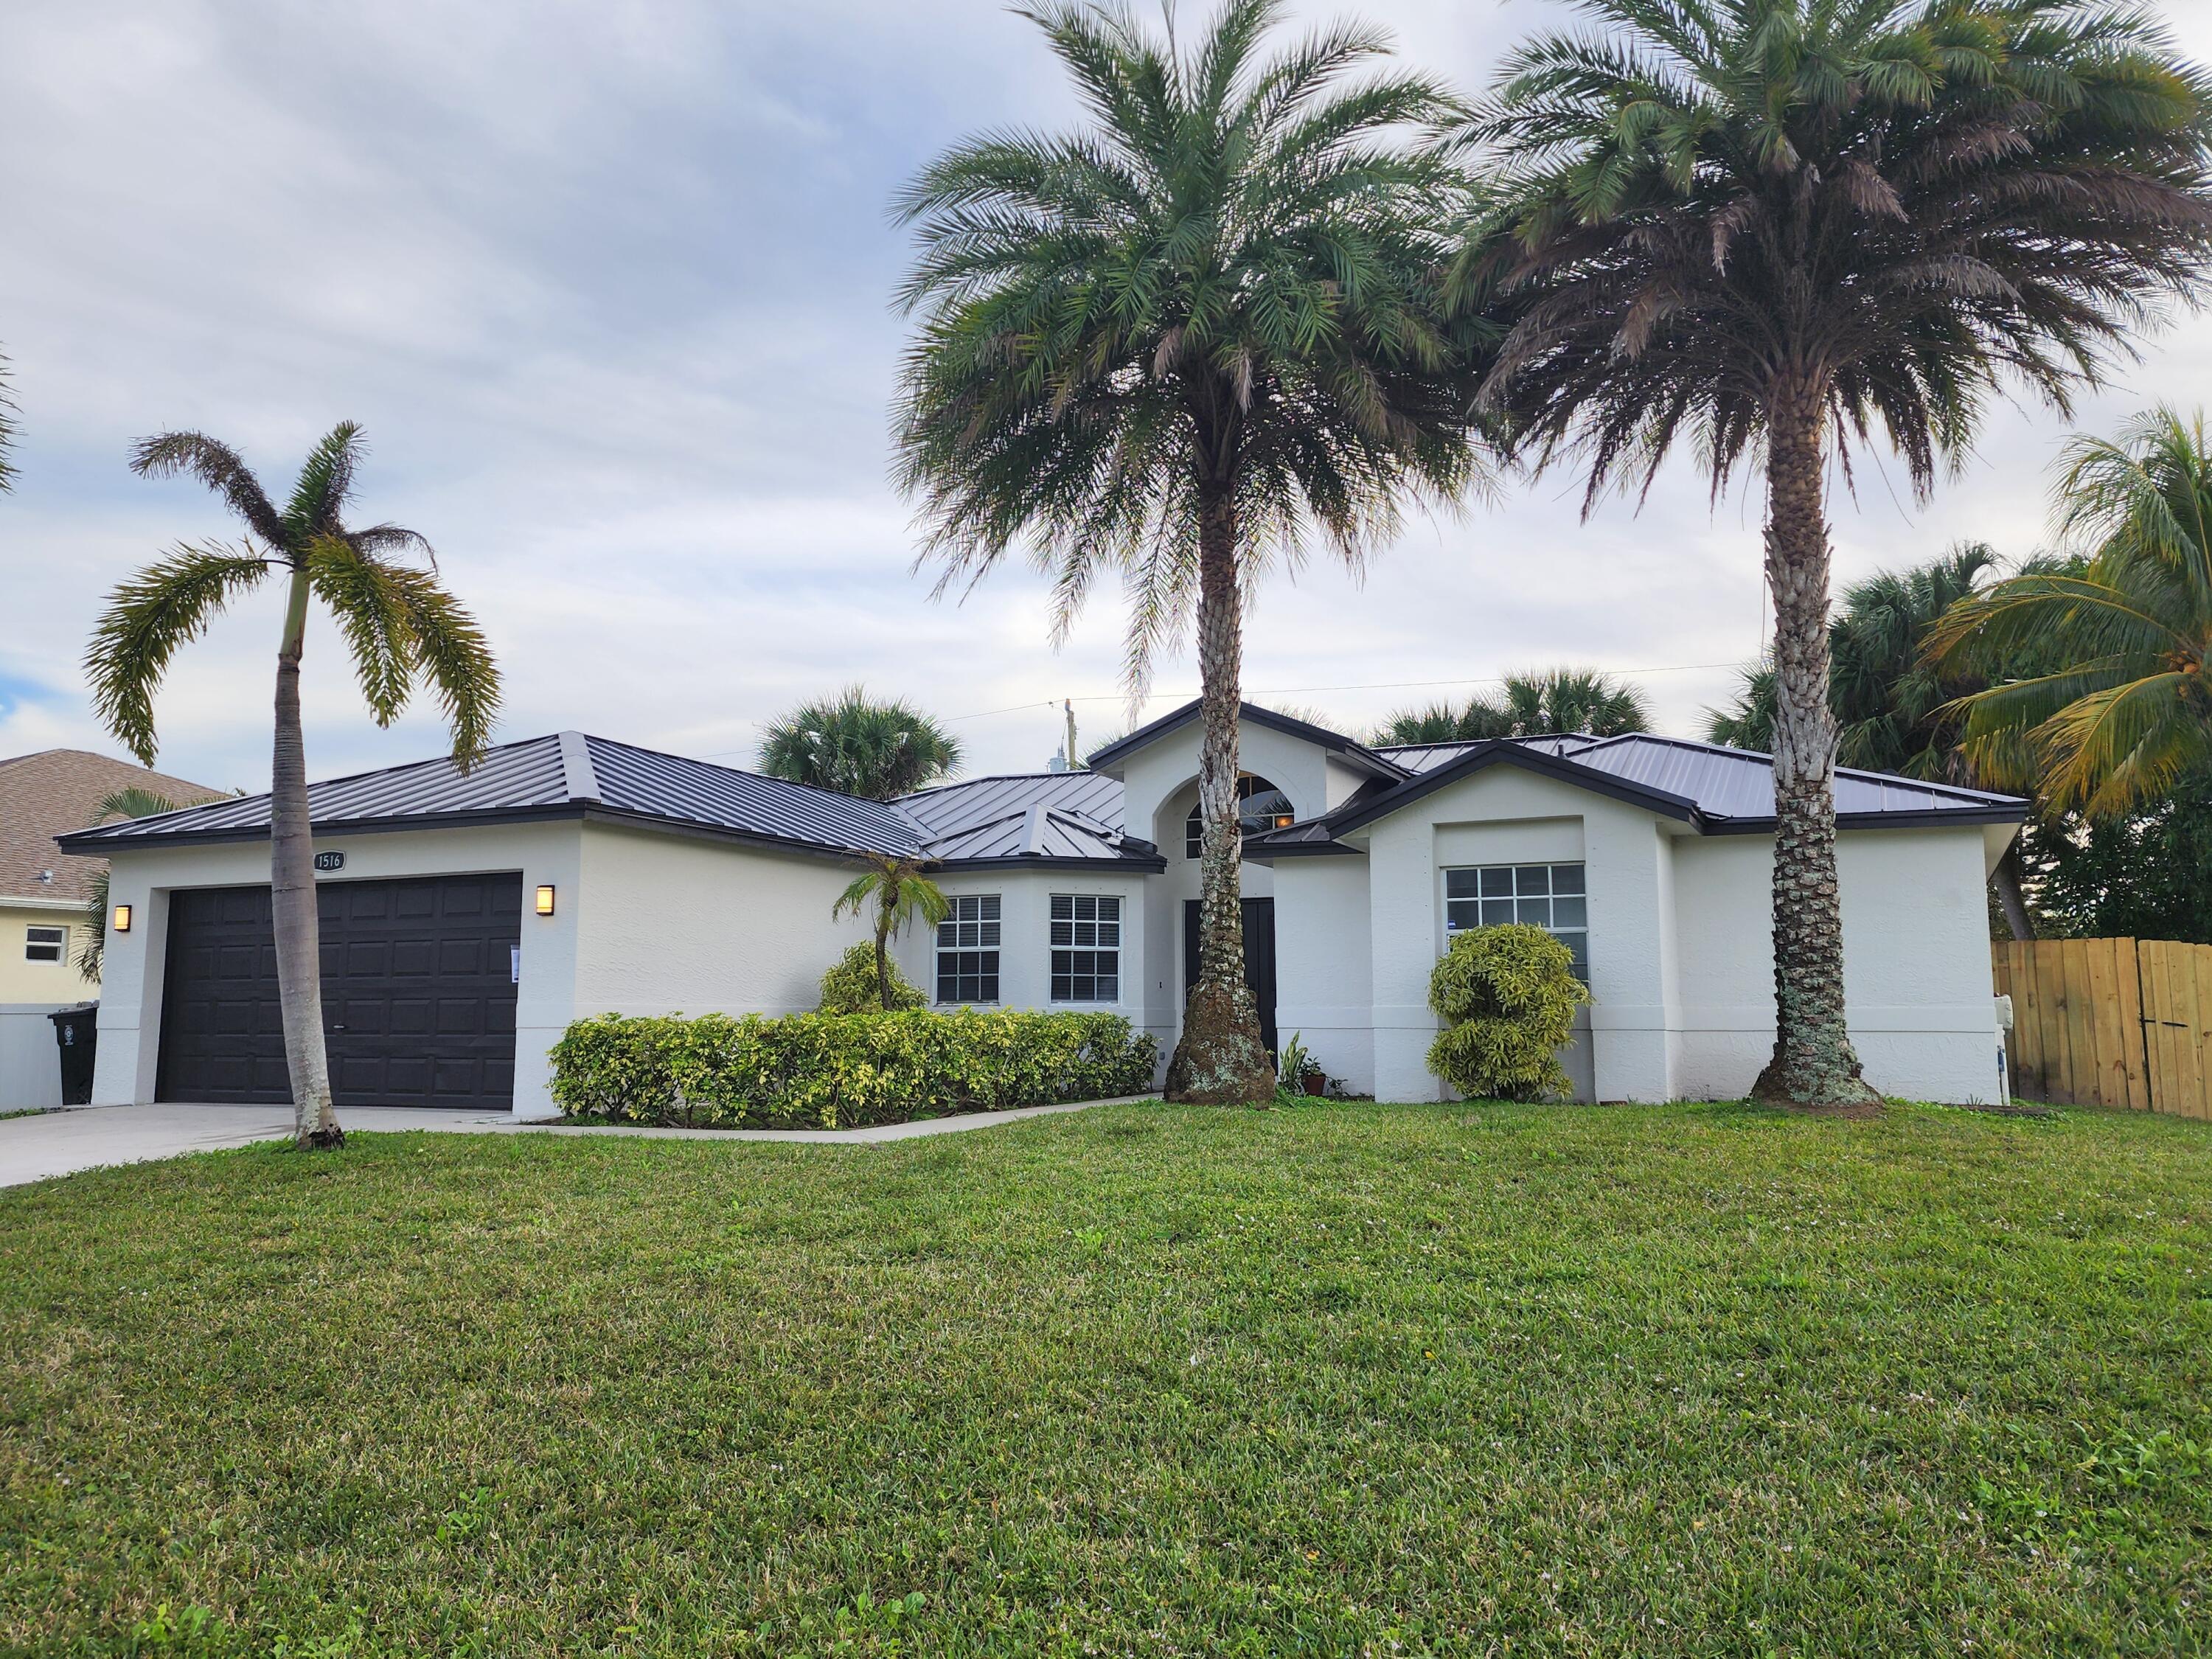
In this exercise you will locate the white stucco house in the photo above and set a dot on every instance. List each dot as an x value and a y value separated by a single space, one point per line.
467 919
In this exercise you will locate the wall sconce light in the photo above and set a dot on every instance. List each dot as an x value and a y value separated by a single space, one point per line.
122 918
545 899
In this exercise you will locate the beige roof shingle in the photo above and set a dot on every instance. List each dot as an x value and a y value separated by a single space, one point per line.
57 790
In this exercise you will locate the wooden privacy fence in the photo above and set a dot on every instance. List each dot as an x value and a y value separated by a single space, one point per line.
2110 1022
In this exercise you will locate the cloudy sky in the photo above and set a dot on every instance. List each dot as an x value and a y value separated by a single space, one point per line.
606 282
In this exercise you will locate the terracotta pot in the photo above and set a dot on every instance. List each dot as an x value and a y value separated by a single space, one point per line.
1313 1081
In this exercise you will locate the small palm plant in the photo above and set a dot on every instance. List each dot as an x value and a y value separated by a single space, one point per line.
1202 334
131 802
848 743
896 891
400 626
2125 711
1765 227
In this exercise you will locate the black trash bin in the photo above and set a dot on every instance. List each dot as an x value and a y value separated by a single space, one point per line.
77 1031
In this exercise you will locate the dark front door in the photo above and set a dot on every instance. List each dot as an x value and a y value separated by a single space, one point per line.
1259 958
418 994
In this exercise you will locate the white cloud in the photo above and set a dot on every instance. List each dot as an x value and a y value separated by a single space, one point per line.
608 285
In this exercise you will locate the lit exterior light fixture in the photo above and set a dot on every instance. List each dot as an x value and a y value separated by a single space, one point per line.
545 899
122 918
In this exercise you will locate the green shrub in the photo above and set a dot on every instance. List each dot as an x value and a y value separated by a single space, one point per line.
1508 994
849 987
842 1071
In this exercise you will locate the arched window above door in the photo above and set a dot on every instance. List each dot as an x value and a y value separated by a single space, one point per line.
1263 806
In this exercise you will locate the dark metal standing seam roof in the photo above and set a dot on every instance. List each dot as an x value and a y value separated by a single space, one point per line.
1061 817
564 776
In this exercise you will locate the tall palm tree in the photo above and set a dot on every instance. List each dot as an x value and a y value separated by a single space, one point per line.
2126 712
1890 700
896 890
399 623
1199 335
1769 224
846 743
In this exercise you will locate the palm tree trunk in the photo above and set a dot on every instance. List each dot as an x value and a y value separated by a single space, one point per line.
1220 1059
2010 898
292 895
882 969
1813 1063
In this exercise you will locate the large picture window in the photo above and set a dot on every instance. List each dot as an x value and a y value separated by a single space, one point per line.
1086 948
967 949
1545 895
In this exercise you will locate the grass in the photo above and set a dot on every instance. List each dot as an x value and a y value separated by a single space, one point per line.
1145 1380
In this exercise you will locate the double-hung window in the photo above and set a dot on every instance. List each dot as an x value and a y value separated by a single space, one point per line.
1086 948
44 943
1545 895
967 949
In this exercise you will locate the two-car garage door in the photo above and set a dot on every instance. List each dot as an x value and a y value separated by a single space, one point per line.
419 980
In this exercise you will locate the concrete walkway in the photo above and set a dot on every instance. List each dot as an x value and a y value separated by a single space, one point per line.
89 1137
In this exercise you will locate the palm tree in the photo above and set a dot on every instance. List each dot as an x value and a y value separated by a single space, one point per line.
846 743
1889 699
1196 338
2126 712
7 432
1531 706
399 625
896 890
1769 224
131 802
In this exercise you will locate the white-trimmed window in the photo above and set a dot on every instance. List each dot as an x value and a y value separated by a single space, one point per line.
967 949
1086 948
1547 896
44 943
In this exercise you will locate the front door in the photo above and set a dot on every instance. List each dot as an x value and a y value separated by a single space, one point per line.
1259 958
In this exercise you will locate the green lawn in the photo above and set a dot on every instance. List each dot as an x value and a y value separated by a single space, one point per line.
1142 1380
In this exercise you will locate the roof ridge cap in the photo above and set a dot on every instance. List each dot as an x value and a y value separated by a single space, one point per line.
581 777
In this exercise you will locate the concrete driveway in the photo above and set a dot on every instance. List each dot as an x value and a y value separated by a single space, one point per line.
88 1137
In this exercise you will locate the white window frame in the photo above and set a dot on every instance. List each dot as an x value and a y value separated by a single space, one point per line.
1530 892
975 927
57 942
1072 935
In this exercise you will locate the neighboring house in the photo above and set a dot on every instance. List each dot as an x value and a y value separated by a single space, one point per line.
44 896
44 891
468 918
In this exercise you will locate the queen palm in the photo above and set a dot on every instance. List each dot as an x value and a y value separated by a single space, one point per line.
2124 712
1768 225
1200 334
400 625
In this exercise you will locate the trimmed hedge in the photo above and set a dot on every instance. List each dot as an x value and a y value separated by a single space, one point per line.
842 1071
1508 995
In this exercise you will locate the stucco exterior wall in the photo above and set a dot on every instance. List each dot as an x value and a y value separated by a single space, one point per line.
57 983
130 995
1917 977
668 924
1324 967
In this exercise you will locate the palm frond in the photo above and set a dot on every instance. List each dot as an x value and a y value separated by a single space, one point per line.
148 617
218 466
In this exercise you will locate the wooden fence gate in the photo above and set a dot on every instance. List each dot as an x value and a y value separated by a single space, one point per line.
2110 1022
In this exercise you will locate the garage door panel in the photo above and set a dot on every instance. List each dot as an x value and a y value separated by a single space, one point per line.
417 996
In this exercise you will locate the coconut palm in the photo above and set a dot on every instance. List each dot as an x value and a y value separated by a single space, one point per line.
1768 225
848 744
896 890
1530 705
131 802
400 626
2126 712
1197 336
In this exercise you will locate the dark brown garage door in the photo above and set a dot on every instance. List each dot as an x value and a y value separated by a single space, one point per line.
418 994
